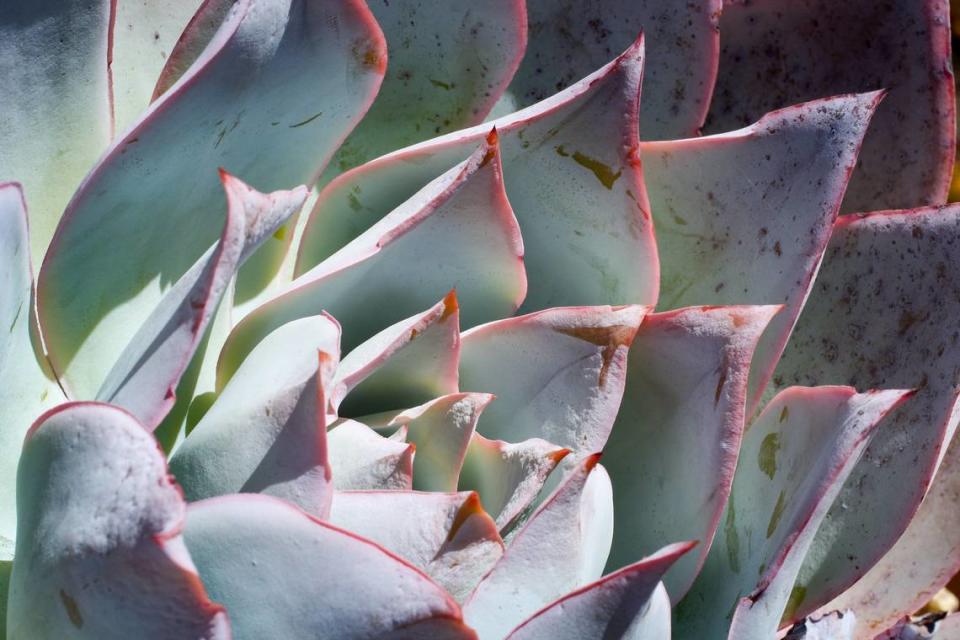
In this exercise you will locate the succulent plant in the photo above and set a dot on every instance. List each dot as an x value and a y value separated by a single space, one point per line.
375 404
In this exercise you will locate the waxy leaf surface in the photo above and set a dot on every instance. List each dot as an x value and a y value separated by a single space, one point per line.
683 408
780 52
102 558
362 459
573 179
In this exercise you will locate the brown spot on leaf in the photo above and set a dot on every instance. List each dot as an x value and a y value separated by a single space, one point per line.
610 338
73 611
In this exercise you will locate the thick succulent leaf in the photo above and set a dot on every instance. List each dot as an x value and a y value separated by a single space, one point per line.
573 178
683 408
835 625
362 459
26 384
793 462
726 240
103 557
406 364
267 431
287 576
557 374
142 34
144 379
629 604
441 430
882 315
921 562
55 101
570 38
446 535
780 52
6 566
196 35
449 62
252 102
459 231
577 522
508 476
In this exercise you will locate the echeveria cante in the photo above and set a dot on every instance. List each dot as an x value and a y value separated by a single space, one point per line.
416 319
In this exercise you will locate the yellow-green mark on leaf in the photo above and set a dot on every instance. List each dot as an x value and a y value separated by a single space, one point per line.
733 537
767 457
777 512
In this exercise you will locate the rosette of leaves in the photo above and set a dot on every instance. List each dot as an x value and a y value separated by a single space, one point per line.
375 404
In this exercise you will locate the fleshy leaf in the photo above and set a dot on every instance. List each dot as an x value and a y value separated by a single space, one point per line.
922 561
407 363
102 558
683 408
726 240
576 521
196 35
144 379
266 431
882 315
26 384
271 97
459 231
835 625
630 604
508 477
441 430
573 177
446 535
55 102
557 374
310 577
573 37
449 62
780 52
793 462
362 459
142 34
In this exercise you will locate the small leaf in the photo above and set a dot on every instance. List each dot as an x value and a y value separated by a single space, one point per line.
362 459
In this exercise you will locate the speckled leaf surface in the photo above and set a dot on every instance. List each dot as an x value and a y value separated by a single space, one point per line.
406 364
779 52
571 38
793 462
726 238
56 107
102 558
458 231
629 604
573 179
143 34
446 535
577 518
266 431
27 387
922 561
683 408
508 476
145 377
441 431
362 459
449 62
277 89
557 374
881 315
309 577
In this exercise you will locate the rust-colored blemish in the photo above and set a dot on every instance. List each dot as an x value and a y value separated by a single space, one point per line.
561 151
558 455
471 507
633 156
722 381
738 320
590 462
493 139
367 54
73 611
610 338
450 305
784 414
